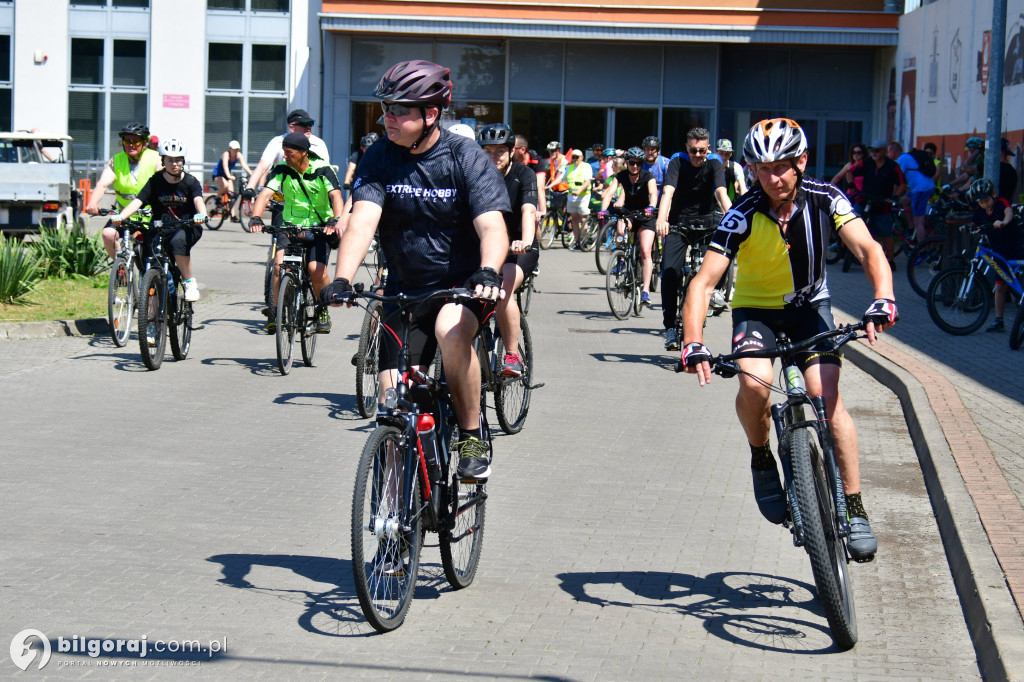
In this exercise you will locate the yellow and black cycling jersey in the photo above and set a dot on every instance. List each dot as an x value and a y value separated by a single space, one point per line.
773 269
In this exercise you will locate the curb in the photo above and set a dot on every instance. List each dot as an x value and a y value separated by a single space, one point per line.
13 331
989 609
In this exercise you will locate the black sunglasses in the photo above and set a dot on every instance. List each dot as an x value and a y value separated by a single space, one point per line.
696 150
633 163
395 109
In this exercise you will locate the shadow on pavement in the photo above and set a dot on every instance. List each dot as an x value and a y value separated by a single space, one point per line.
738 607
665 361
339 405
257 366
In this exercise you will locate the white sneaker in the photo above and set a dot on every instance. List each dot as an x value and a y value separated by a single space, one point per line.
718 300
151 336
191 290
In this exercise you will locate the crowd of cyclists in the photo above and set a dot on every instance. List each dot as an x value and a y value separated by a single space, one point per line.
455 211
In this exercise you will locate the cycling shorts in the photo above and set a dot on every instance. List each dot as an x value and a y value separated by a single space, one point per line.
422 341
526 261
319 250
755 328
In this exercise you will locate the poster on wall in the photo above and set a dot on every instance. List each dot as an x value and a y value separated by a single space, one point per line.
908 89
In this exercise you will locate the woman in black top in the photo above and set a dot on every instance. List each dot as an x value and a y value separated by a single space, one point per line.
637 191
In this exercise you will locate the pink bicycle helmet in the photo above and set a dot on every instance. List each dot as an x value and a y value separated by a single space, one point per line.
417 82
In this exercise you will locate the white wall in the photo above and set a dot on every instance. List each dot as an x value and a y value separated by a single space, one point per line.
40 90
176 71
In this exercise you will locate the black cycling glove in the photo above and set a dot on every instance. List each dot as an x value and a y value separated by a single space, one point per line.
248 193
882 311
335 291
695 353
255 220
331 222
485 277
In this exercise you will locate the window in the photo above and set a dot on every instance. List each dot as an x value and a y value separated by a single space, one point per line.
5 83
246 97
144 4
255 6
108 88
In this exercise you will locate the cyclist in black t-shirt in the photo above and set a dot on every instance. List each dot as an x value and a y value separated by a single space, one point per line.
639 193
178 194
436 202
498 140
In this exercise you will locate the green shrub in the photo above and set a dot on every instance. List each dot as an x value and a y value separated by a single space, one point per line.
20 269
69 252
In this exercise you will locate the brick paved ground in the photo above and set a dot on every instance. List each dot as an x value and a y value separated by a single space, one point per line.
211 499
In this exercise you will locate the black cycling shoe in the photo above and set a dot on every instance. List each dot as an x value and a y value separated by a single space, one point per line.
771 498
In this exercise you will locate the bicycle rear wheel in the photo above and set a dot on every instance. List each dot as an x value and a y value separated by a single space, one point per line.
959 301
524 293
1017 330
287 319
367 362
385 558
512 398
214 212
588 233
121 295
619 284
547 230
462 535
657 250
180 316
307 323
924 263
150 315
604 245
822 541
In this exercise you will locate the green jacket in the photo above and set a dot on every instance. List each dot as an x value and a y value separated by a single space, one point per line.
309 207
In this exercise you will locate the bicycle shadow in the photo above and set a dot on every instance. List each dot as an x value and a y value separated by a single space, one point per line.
253 326
339 405
588 314
332 611
256 366
662 361
755 610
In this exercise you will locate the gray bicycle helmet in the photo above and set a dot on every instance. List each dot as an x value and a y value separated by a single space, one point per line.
981 188
634 154
134 128
416 82
651 141
496 133
774 139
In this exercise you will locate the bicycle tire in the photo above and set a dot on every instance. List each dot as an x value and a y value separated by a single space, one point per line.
153 284
924 262
588 234
121 295
368 361
568 239
822 542
306 325
214 212
524 294
462 537
268 280
512 394
657 251
603 246
180 322
619 284
547 231
384 591
1017 330
957 307
287 318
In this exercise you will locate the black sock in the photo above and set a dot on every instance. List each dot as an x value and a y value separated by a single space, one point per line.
761 457
478 432
855 507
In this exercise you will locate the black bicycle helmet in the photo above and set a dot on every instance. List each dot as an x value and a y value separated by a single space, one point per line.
634 154
368 139
651 141
417 82
134 128
981 188
496 133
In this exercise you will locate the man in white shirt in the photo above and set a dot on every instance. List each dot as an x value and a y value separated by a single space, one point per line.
298 122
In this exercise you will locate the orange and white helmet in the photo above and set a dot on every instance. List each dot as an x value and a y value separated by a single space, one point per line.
774 139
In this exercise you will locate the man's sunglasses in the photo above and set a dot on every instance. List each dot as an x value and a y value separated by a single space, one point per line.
698 150
395 109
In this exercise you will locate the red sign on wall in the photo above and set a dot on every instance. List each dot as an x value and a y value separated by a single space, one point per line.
175 101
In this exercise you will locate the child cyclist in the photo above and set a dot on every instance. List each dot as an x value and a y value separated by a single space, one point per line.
995 215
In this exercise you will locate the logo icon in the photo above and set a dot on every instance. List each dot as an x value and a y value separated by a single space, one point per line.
22 654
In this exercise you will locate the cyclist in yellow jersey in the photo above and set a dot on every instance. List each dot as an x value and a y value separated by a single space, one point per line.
128 171
778 235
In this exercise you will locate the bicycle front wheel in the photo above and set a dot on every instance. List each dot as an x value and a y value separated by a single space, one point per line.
287 320
619 284
512 399
385 557
524 293
121 295
547 231
1017 330
588 233
822 541
153 319
924 262
307 328
462 534
603 245
180 316
367 362
214 212
959 301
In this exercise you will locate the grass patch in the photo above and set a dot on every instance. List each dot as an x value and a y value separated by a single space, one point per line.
74 298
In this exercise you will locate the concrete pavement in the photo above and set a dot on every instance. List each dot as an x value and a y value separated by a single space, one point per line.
209 500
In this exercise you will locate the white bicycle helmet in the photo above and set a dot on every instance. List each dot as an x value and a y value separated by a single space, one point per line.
463 129
173 147
774 139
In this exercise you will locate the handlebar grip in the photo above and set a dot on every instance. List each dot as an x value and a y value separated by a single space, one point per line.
680 367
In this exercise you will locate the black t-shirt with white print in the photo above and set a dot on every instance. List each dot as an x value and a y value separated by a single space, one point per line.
176 199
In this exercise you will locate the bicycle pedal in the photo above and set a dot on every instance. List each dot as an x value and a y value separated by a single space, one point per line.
864 560
473 481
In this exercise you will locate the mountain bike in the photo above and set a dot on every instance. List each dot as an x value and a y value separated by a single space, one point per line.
960 298
555 223
123 289
526 290
1017 329
814 488
624 272
696 235
406 485
162 305
511 394
232 201
296 302
366 360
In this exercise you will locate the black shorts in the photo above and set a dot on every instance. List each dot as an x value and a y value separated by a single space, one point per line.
422 342
755 328
319 248
527 261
